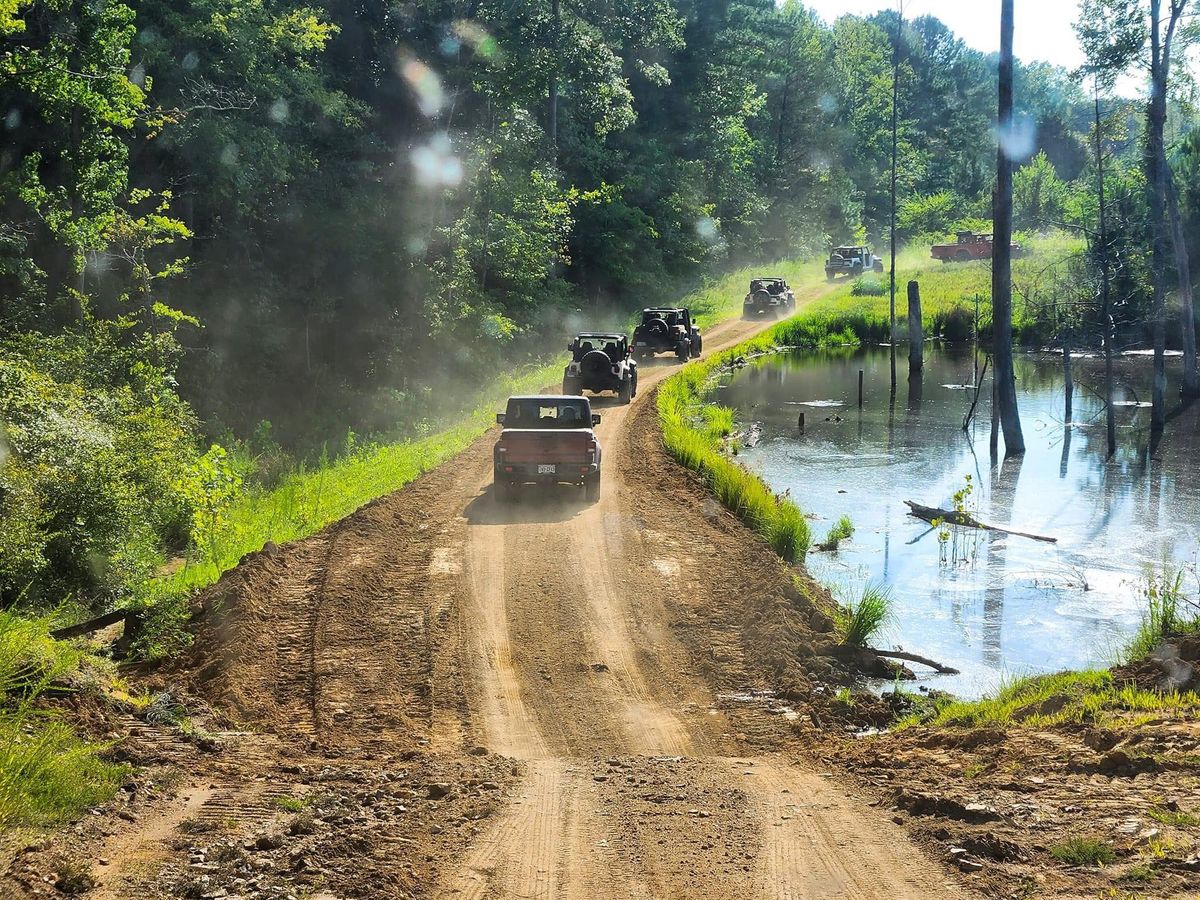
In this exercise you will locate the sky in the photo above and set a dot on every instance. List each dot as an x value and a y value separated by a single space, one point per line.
1043 30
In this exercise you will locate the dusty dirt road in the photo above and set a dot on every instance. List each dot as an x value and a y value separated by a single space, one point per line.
536 700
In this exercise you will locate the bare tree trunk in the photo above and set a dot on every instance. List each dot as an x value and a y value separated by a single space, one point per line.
1107 325
552 106
1156 118
1002 334
1190 387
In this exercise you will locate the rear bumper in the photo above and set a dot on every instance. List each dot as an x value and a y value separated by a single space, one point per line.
527 473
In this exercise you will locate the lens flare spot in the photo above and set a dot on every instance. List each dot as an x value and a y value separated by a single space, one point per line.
426 85
1018 140
707 228
12 121
191 60
827 103
278 112
229 154
435 164
476 37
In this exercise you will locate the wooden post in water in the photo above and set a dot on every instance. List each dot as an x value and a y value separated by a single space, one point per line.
800 422
860 388
916 333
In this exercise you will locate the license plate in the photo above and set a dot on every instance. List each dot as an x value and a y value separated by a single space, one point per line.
547 470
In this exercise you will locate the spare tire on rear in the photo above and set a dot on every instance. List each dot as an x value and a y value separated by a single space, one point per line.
595 362
657 327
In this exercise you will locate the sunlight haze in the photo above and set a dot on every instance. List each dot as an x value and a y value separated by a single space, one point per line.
1043 29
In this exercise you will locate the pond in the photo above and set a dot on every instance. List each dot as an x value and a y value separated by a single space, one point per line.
991 605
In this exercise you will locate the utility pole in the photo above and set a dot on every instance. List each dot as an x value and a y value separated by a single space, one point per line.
895 145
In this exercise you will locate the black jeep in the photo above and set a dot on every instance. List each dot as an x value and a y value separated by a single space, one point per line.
600 361
667 330
768 294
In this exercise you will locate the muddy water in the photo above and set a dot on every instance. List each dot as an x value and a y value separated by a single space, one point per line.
988 604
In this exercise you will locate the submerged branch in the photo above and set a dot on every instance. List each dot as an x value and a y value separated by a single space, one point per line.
966 520
912 657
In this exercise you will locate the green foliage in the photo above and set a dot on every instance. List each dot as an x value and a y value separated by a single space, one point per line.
1084 851
842 530
1040 197
1177 818
1169 613
1041 701
861 620
867 286
47 774
89 498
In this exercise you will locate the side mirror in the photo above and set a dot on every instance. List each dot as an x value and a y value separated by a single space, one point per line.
595 418
499 418
570 347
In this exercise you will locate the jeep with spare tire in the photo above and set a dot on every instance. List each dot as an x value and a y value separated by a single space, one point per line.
600 361
667 330
546 440
769 295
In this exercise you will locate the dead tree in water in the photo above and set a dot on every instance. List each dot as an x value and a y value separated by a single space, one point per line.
1108 327
1002 333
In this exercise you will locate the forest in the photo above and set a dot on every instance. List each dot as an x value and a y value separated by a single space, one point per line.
239 238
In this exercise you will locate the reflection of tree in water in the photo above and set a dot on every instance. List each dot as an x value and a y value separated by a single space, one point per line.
1005 478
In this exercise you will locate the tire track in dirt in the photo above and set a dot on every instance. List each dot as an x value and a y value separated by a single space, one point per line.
576 673
547 631
816 845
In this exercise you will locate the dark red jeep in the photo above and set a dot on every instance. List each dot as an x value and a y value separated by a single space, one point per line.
547 440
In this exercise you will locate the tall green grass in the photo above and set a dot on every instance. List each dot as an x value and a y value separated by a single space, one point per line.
861 620
47 773
948 293
1168 614
690 437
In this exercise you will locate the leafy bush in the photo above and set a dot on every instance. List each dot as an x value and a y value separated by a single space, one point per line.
860 620
88 491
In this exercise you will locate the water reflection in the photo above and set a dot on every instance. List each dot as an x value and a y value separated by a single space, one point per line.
998 603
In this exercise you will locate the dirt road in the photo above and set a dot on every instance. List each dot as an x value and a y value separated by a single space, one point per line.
532 700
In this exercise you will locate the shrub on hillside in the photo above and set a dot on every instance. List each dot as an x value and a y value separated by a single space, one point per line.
90 469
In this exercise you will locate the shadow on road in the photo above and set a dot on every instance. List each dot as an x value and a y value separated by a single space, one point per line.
533 503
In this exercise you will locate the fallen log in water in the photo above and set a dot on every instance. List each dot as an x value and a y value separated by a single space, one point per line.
912 657
966 520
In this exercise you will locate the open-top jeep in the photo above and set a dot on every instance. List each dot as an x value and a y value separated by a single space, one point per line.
547 440
768 294
667 330
600 361
852 261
